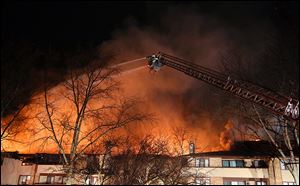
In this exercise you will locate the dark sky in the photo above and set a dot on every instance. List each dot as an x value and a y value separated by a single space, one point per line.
69 22
66 24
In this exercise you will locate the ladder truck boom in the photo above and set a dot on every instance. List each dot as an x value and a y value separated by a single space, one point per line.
278 104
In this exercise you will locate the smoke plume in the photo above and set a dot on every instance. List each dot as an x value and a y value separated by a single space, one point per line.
177 99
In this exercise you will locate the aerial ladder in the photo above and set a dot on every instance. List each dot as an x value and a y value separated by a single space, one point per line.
274 102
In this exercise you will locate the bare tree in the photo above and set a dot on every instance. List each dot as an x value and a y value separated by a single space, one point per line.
283 134
22 67
181 139
13 124
145 161
82 111
16 60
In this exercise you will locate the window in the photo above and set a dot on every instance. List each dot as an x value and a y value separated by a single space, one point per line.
239 163
43 179
234 183
227 183
233 163
51 178
58 179
261 183
24 180
92 180
225 163
288 183
259 163
202 181
282 165
202 162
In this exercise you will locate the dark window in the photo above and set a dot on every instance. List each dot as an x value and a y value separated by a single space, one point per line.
225 163
259 163
239 163
233 163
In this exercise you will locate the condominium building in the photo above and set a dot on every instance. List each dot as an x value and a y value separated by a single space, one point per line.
30 169
239 166
226 168
247 163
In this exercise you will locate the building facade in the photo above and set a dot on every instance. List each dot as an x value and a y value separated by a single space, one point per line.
221 168
235 167
39 169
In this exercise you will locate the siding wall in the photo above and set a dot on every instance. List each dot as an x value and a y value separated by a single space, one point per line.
12 169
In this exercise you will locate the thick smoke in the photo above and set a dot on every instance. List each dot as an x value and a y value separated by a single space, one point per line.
180 101
177 99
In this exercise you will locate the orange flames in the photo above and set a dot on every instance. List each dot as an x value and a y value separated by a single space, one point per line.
226 136
148 87
164 93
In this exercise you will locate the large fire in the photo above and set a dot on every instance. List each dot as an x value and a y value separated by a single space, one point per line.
152 88
178 101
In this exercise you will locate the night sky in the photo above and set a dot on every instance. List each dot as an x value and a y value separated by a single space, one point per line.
64 22
67 23
63 26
